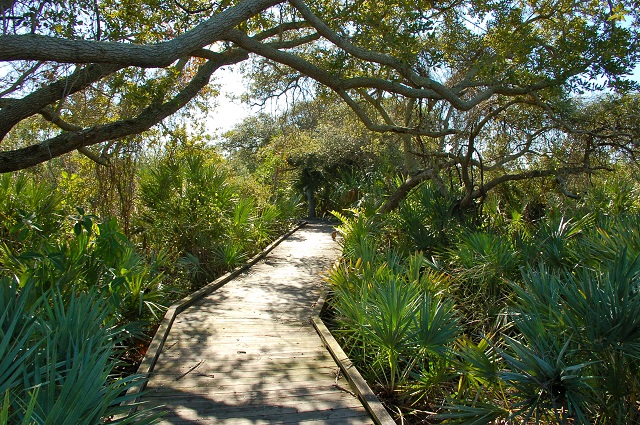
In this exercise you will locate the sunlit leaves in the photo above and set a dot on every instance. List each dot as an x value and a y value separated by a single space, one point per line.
396 320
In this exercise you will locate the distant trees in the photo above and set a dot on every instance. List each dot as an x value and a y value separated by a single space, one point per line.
473 86
315 149
516 140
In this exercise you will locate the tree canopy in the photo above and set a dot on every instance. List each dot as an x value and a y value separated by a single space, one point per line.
478 86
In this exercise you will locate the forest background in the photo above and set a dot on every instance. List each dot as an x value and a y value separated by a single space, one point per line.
480 157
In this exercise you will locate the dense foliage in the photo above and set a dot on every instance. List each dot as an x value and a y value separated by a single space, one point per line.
193 210
80 299
317 149
507 316
72 287
472 85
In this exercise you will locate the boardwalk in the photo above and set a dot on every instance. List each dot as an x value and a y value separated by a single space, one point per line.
247 353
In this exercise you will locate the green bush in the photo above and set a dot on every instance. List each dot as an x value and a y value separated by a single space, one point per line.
426 221
537 322
393 318
94 256
29 212
192 205
75 294
572 355
58 356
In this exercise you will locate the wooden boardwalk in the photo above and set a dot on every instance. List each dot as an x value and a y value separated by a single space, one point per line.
248 354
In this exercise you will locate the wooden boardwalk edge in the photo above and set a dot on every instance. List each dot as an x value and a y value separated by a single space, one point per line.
369 400
157 343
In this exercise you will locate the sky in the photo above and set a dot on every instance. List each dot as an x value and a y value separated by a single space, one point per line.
229 110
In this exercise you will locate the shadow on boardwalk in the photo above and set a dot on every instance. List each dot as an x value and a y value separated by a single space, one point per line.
247 353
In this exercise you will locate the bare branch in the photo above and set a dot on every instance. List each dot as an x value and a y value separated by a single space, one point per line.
93 156
331 81
563 187
279 30
54 117
377 105
18 83
96 10
389 128
394 200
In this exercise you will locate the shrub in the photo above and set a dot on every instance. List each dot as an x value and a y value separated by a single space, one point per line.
58 356
394 318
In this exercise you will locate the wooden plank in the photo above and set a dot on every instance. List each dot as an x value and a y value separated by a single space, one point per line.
221 403
211 386
165 388
336 416
232 359
220 409
292 338
235 351
209 367
209 372
229 358
234 394
248 359
243 325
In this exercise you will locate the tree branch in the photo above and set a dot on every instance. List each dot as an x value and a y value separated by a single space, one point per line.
339 86
53 117
159 55
452 96
394 200
482 191
153 114
15 110
281 29
563 187
18 83
389 128
567 126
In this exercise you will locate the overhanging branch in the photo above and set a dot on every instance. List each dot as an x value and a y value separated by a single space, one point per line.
53 117
15 110
533 174
159 55
153 114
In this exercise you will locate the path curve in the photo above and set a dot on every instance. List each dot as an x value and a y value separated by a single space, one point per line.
248 353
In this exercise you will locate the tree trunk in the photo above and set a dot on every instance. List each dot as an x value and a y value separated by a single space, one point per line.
311 200
309 192
410 160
